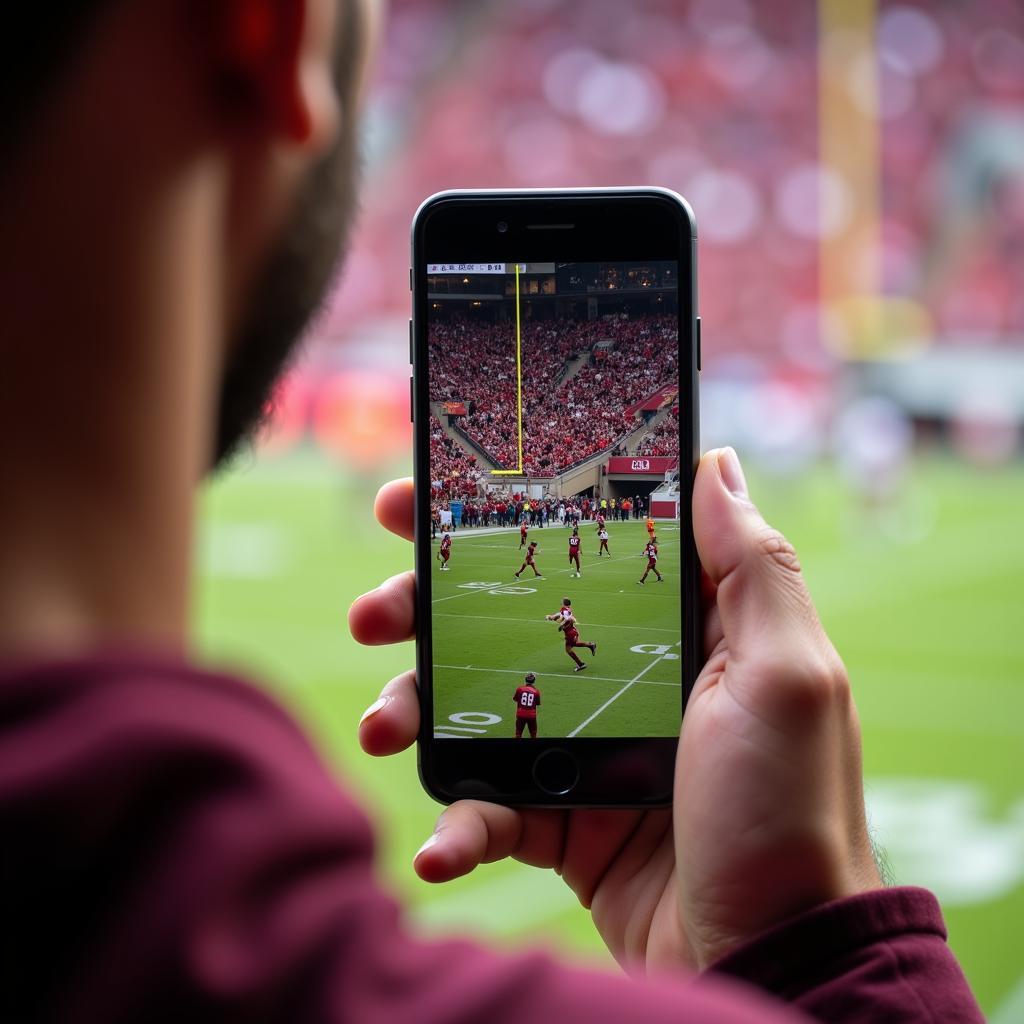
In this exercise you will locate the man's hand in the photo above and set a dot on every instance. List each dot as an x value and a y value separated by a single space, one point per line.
768 815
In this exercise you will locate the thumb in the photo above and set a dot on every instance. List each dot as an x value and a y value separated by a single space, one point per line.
765 609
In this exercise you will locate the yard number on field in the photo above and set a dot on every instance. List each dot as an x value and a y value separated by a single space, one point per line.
466 722
497 588
656 650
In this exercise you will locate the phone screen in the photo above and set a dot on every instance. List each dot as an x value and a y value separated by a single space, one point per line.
554 464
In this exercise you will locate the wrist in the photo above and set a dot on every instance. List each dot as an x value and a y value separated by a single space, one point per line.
780 888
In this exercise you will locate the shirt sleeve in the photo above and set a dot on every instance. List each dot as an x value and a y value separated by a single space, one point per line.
176 851
879 956
181 854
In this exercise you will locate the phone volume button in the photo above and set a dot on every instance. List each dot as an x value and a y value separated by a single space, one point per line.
410 340
412 419
698 344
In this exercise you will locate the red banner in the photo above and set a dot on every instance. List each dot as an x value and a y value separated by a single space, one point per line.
656 465
662 397
454 408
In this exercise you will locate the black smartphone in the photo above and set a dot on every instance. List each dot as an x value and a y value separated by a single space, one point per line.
556 349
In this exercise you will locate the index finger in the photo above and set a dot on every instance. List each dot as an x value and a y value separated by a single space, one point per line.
394 507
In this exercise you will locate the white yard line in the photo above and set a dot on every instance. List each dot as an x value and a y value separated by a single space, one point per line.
541 622
508 547
491 531
562 675
521 582
611 700
471 590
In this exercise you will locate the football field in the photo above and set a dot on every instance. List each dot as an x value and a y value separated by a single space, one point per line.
490 630
923 601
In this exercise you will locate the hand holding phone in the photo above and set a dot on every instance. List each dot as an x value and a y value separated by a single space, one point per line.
768 810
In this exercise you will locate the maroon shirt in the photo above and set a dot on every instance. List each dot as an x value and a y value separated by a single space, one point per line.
527 701
173 850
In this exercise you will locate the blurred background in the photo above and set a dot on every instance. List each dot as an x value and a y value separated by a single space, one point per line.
857 172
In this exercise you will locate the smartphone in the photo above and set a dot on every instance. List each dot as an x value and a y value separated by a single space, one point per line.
555 347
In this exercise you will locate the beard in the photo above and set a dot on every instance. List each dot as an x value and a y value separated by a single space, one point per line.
291 286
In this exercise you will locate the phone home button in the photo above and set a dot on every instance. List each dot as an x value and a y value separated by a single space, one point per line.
556 772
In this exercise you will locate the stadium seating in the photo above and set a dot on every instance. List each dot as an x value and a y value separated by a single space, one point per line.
453 468
663 439
566 421
718 101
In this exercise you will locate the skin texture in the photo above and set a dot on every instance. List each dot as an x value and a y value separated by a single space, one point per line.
768 817
156 272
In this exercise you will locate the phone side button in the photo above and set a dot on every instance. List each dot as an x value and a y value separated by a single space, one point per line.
698 344
410 340
556 772
412 419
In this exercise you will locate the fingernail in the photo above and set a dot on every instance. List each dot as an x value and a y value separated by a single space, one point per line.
378 705
732 472
431 841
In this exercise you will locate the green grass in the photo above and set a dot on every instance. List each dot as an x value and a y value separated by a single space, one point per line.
490 629
923 602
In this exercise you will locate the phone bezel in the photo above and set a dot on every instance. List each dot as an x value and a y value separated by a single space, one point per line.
609 224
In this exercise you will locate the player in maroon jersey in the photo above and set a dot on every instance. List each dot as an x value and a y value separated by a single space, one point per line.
600 522
522 534
530 552
527 700
446 550
567 624
574 550
651 551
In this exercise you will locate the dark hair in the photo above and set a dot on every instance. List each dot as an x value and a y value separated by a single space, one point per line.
530 677
566 600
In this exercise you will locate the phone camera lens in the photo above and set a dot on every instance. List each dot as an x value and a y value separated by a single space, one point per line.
502 227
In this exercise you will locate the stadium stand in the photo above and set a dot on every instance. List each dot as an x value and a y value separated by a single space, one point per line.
453 469
718 101
567 419
662 439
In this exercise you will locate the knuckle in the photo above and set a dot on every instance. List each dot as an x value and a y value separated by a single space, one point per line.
812 684
774 547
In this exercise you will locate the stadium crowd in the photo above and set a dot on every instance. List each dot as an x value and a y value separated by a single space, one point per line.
662 439
566 421
453 471
504 508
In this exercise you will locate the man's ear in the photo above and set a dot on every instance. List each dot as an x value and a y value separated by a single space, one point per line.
275 58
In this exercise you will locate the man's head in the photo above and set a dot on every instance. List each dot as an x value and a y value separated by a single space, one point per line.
175 181
566 603
530 679
255 99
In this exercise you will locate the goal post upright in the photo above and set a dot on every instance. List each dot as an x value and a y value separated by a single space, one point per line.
519 388
519 373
